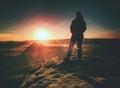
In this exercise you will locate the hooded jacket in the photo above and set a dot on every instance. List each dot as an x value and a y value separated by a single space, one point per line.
78 27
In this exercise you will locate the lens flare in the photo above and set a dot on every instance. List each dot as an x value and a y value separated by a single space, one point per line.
42 35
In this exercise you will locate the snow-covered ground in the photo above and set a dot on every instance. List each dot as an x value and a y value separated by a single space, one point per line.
30 64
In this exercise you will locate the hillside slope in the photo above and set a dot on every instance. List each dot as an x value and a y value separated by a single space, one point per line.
56 73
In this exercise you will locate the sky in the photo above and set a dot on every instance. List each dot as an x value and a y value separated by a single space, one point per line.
21 19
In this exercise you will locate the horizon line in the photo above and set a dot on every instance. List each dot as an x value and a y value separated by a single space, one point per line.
58 39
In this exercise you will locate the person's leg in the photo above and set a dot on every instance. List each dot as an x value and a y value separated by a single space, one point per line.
79 45
71 45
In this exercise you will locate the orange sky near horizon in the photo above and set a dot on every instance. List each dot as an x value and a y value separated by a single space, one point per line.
57 28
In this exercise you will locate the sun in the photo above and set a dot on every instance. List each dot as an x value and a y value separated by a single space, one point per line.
42 35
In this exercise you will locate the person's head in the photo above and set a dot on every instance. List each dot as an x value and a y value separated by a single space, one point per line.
79 15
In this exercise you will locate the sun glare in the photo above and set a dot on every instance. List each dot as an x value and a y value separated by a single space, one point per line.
42 35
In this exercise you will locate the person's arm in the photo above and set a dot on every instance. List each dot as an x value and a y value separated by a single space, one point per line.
84 27
71 27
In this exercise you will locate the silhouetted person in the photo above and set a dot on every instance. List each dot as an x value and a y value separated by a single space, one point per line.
77 28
